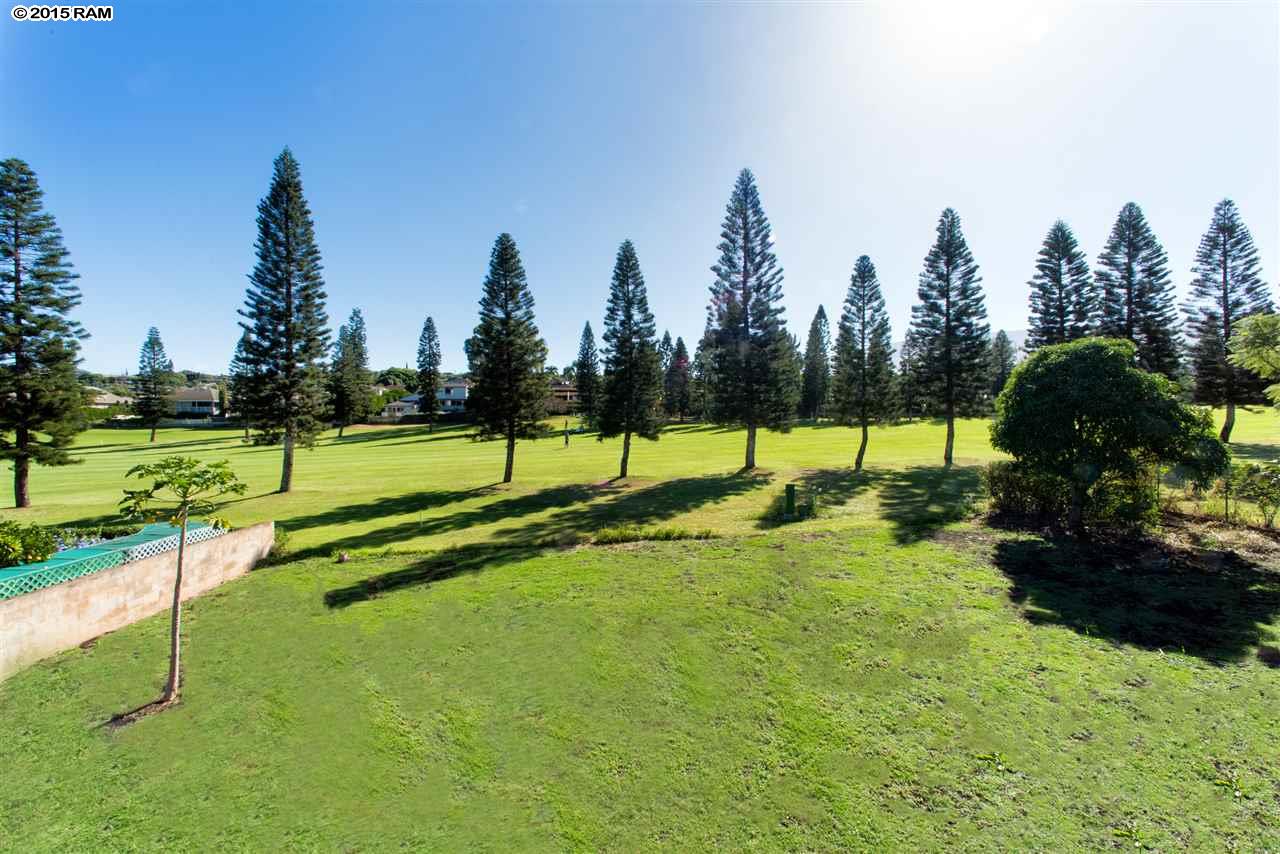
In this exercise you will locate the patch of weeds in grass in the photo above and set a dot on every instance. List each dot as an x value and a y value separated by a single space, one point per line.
279 552
637 533
1132 833
995 759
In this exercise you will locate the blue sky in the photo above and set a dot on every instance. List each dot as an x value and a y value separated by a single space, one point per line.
424 130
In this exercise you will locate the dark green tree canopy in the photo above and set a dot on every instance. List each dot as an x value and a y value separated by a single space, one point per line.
1081 410
863 386
863 383
242 378
1227 288
350 380
587 376
815 379
665 351
951 329
509 392
1064 300
1137 294
40 398
398 377
632 383
428 368
284 315
754 377
1003 358
153 381
676 394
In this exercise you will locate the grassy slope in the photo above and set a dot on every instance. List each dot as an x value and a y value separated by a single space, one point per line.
864 679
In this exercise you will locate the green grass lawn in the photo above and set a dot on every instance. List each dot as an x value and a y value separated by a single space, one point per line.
889 675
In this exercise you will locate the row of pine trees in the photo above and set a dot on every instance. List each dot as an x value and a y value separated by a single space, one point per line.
290 380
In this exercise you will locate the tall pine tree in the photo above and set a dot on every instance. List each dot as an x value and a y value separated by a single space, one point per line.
509 392
350 380
428 371
632 385
675 385
665 351
1003 359
951 329
863 386
908 395
1064 300
40 398
587 377
152 384
1227 288
284 315
700 376
1137 295
242 382
754 377
815 380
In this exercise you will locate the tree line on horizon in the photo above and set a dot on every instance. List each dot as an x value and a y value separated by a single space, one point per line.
290 378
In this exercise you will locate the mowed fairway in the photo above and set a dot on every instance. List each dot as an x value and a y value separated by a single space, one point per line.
888 676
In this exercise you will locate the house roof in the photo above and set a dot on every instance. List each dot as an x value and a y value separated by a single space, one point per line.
194 393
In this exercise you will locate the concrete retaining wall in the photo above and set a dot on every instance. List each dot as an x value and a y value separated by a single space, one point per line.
43 622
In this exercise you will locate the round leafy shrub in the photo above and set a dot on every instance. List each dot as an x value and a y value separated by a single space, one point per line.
24 543
1083 413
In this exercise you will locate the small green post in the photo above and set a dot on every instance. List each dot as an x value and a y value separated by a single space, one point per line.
791 500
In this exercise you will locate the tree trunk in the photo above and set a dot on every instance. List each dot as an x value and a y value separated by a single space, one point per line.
341 427
862 449
21 475
246 431
153 433
511 454
1075 514
626 453
750 462
951 437
286 470
1229 423
173 684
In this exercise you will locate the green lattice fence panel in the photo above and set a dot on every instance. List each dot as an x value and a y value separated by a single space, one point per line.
73 563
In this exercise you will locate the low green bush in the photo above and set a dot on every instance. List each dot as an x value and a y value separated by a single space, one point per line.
1019 490
1016 489
25 543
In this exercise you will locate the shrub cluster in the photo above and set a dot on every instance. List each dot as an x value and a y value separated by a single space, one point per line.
24 543
1017 489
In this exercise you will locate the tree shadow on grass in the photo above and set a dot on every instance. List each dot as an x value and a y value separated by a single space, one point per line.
158 448
407 434
440 566
830 487
620 506
495 511
1209 603
920 500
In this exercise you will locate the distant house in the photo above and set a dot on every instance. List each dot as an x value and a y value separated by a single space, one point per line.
563 398
407 405
450 397
198 401
97 398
